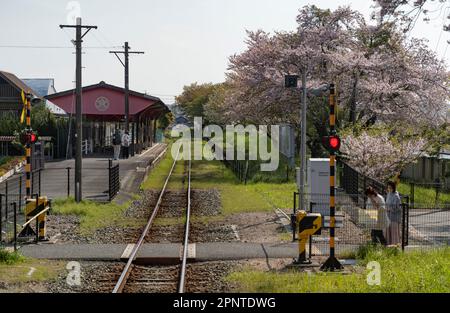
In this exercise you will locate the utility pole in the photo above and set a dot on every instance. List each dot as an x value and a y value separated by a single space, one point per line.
126 52
78 123
302 200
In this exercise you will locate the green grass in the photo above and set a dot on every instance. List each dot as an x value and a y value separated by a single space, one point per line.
15 268
31 270
424 195
10 258
159 173
94 215
415 271
236 197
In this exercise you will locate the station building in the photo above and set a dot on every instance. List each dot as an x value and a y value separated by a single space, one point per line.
103 110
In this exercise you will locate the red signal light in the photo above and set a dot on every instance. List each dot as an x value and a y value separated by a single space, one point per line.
33 137
28 137
334 142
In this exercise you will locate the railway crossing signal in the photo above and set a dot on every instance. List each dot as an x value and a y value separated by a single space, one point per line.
28 137
332 263
332 143
33 206
290 81
308 224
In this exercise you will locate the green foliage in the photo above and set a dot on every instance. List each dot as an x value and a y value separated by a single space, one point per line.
10 124
425 195
43 121
194 98
10 258
5 159
165 120
414 271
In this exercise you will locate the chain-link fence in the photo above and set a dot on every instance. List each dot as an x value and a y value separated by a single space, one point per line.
357 223
11 217
428 227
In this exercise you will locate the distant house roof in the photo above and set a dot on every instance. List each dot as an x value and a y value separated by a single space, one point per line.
181 120
44 87
14 81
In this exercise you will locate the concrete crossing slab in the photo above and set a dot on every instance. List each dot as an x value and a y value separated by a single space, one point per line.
161 253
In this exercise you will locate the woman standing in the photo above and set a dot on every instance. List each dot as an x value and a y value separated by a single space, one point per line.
394 210
126 145
378 232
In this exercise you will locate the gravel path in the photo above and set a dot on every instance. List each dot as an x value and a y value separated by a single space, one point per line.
101 277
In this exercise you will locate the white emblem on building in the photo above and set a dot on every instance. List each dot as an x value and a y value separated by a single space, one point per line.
102 104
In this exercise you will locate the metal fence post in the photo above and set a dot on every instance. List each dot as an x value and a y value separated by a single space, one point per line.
32 182
39 177
68 182
364 192
37 219
6 199
295 201
20 193
109 179
310 237
1 217
407 224
403 227
15 225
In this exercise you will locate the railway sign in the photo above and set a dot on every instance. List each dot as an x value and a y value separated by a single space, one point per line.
290 81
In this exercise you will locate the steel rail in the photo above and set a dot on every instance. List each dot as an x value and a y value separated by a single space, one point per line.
182 281
118 288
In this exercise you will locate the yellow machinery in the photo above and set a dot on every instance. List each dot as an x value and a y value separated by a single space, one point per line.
308 224
32 210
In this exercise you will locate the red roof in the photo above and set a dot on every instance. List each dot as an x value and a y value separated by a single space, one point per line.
107 102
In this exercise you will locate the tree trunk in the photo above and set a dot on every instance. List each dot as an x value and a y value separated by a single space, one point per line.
352 104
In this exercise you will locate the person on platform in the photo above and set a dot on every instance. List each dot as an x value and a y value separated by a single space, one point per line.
117 141
126 145
394 211
376 201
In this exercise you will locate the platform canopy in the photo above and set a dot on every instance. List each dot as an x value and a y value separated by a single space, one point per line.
105 102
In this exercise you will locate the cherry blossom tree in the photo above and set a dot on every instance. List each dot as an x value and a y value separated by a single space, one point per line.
378 72
379 156
407 12
382 77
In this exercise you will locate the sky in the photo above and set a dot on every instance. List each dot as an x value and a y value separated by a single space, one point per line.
184 41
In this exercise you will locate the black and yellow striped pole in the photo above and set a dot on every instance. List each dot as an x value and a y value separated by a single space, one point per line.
332 262
33 206
28 147
26 113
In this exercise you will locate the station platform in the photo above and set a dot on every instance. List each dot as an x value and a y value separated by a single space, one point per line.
160 253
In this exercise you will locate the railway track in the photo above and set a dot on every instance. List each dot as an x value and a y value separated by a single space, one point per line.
137 278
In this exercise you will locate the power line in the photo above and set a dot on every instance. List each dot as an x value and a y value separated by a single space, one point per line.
54 47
